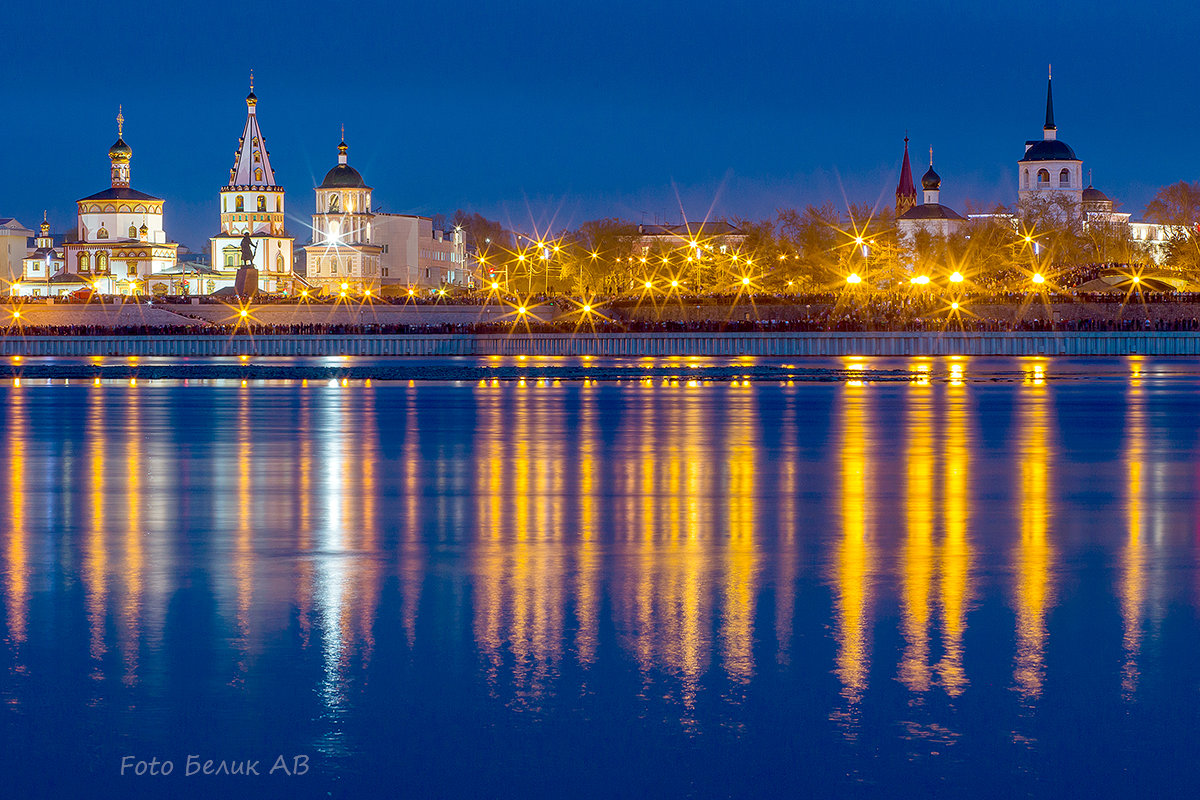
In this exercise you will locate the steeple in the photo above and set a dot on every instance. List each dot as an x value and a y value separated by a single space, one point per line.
119 154
1048 130
343 149
906 192
931 183
44 240
252 163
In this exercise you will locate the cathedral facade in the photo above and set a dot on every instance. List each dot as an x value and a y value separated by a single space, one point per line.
342 257
252 205
119 240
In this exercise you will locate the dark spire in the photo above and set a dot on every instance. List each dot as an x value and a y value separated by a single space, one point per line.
906 191
1049 126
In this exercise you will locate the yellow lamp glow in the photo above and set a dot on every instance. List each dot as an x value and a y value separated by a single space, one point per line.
587 309
521 310
244 313
954 306
956 277
674 284
853 278
745 281
495 285
649 285
921 280
1037 278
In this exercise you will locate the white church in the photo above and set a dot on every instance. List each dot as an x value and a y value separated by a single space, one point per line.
1048 171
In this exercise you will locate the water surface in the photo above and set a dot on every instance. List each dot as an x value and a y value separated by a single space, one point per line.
983 582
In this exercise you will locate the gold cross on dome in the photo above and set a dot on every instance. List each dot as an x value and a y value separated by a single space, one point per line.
120 122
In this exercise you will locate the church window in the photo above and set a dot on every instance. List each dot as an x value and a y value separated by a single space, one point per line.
1064 178
258 174
1025 180
101 262
85 262
257 157
132 231
262 203
102 233
132 268
239 204
279 263
1043 177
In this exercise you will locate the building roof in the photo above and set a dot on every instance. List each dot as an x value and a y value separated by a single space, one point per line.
252 153
1093 195
1048 150
931 211
67 277
931 180
120 193
343 176
692 229
906 189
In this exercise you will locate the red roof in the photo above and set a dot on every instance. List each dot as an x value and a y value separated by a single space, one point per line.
906 187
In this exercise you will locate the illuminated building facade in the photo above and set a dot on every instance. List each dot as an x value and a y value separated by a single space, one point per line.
41 266
931 216
415 254
119 240
342 252
252 203
14 244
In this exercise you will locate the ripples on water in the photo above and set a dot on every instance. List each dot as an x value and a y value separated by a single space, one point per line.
945 584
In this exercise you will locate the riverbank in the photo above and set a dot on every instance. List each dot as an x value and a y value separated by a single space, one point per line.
701 344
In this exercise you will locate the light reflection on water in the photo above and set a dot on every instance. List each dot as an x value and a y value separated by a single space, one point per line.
864 567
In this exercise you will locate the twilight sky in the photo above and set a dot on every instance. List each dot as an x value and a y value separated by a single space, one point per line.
553 113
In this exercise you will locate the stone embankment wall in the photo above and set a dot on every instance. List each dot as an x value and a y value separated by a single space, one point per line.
648 344
1030 309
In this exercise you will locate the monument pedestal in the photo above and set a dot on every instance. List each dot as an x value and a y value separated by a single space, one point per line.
245 283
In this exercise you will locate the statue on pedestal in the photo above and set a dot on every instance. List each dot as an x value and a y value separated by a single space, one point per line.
246 281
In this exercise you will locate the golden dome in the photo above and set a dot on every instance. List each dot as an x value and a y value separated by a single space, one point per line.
120 151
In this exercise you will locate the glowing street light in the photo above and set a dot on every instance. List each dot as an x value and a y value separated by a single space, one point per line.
521 310
853 278
495 285
1037 278
921 280
746 281
674 284
649 285
954 306
956 277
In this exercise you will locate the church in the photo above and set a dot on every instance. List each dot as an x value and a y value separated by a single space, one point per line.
342 254
252 204
119 241
1048 172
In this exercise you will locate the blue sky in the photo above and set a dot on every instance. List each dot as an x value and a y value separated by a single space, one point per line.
542 113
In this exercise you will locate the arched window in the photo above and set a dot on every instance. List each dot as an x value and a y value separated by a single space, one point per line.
133 231
1064 178
102 233
239 204
1043 177
257 157
102 262
262 203
85 262
258 174
279 263
1025 180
